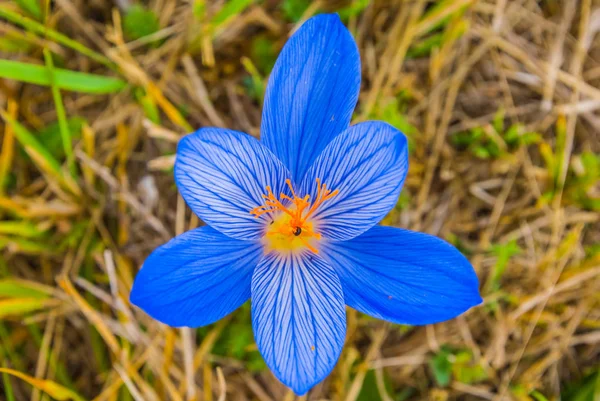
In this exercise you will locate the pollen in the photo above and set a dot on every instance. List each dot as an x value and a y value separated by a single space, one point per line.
292 227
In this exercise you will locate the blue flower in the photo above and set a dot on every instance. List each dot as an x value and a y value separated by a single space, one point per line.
291 221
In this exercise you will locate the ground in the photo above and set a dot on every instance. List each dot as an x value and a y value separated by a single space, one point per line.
499 100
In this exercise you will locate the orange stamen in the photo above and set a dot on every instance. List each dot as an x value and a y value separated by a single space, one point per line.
299 210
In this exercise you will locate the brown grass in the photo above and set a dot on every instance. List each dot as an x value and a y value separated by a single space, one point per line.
538 62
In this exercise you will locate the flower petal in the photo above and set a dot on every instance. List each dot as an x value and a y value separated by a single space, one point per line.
196 278
367 164
404 276
299 318
222 175
312 92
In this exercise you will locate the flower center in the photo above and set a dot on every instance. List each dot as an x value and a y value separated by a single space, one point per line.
292 227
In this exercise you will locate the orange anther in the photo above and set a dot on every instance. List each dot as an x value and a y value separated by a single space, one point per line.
299 209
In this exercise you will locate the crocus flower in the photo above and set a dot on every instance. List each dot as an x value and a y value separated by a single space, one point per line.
291 221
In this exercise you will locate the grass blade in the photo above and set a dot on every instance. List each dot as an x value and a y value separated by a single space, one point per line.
61 115
40 29
40 155
64 79
23 229
31 6
10 396
51 388
15 288
21 306
6 155
231 9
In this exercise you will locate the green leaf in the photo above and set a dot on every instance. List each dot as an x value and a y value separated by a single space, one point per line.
32 7
503 252
10 288
61 115
370 390
493 149
51 388
41 29
439 8
21 229
231 9
10 396
353 9
481 152
441 367
73 238
40 155
199 9
587 389
537 396
477 133
498 121
516 136
592 250
512 135
462 140
256 362
263 54
255 84
530 138
139 22
34 148
294 9
64 79
240 337
465 370
392 112
49 136
424 47
11 42
26 246
451 363
149 105
21 306
237 340
460 245
591 166
403 201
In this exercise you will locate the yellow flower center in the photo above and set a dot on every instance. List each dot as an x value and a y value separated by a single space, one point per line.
292 228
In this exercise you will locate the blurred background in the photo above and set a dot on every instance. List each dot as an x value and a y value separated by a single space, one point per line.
500 100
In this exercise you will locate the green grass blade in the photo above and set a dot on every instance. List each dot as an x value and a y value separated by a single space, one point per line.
40 155
53 389
8 350
31 145
61 115
31 6
354 9
15 288
64 79
55 364
21 306
23 229
40 29
231 9
10 396
27 247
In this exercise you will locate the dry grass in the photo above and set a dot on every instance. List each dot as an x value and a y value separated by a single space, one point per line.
464 79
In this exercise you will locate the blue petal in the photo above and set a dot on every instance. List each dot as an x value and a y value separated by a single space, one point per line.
311 93
222 175
404 276
367 164
299 318
196 278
